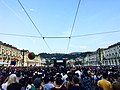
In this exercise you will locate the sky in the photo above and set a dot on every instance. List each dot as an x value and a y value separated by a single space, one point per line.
54 18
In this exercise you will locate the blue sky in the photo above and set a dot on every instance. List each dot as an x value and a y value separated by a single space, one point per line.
55 18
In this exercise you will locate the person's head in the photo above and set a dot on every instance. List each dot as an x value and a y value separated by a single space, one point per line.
70 75
85 73
105 75
37 82
29 80
18 74
89 73
59 75
22 82
115 76
58 81
51 79
76 80
12 79
46 79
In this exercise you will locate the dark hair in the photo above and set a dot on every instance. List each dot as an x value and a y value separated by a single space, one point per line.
105 75
37 82
70 76
46 79
115 76
52 79
29 80
59 81
22 82
18 74
76 80
76 74
59 75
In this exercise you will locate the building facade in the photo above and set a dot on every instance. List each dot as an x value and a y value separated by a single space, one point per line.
100 55
104 56
90 59
112 55
9 54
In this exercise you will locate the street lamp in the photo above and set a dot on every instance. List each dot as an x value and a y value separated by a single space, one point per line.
22 53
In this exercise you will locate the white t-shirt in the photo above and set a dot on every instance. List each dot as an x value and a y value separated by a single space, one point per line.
28 87
4 86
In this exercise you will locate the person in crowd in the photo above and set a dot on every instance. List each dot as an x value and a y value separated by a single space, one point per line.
14 86
104 84
52 80
29 84
11 79
22 83
18 74
38 84
5 84
87 81
76 84
32 78
69 82
58 84
47 84
97 76
116 82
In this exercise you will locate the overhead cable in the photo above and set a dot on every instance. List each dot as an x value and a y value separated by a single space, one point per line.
33 23
77 36
91 34
19 35
73 24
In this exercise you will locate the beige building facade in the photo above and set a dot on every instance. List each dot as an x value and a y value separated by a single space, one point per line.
9 53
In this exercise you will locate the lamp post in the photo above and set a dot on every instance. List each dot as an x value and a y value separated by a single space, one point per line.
54 59
22 53
64 62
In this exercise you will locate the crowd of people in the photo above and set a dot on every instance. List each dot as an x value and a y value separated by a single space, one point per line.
60 78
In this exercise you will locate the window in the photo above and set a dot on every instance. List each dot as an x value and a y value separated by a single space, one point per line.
118 47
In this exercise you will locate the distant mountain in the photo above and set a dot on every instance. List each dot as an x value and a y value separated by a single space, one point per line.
83 54
73 55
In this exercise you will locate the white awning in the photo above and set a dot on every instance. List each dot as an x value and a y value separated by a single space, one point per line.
59 61
3 63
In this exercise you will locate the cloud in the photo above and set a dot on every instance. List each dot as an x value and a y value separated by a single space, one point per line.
32 9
